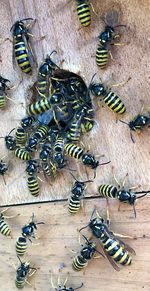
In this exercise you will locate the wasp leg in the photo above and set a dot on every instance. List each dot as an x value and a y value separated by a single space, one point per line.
93 9
113 172
122 83
123 183
107 213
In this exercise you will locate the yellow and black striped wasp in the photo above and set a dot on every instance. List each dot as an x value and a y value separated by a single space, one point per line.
22 51
22 273
138 123
77 193
107 38
111 99
62 287
122 194
114 248
3 88
86 254
45 73
4 227
3 169
32 180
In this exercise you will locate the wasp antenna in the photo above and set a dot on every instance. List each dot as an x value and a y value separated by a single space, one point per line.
105 163
29 18
83 228
92 79
19 259
40 222
4 180
79 287
131 136
73 176
53 52
124 122
142 196
134 210
11 131
85 238
123 25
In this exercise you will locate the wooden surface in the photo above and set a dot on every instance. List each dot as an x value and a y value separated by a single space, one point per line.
76 46
59 236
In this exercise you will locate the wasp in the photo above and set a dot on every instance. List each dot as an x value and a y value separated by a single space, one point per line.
32 181
110 98
22 154
107 38
45 153
45 73
77 193
62 287
38 107
87 159
58 152
39 134
21 132
137 124
120 193
3 88
21 246
10 141
28 230
21 46
4 227
21 136
22 273
83 11
86 254
3 169
115 249
74 131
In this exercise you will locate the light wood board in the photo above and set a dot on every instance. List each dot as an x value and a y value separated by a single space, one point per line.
77 46
58 236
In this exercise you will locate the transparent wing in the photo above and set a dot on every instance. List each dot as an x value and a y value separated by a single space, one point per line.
112 262
112 17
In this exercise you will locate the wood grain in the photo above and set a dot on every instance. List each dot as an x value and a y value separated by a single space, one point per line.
58 236
77 46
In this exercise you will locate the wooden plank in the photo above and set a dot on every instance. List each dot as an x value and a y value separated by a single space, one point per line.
76 46
59 235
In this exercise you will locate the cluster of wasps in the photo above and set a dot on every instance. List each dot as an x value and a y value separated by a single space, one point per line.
62 111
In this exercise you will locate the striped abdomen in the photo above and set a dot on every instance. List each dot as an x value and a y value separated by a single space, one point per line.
41 132
4 228
74 205
47 169
88 120
22 58
22 154
73 150
21 246
116 251
74 130
2 99
42 86
83 11
114 103
79 263
38 107
108 191
20 282
21 136
101 57
33 186
59 144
